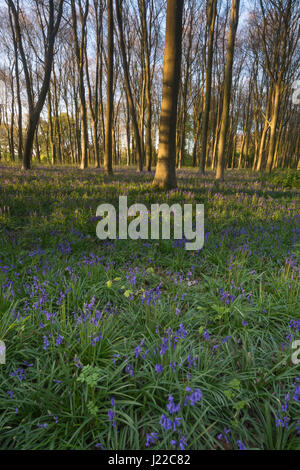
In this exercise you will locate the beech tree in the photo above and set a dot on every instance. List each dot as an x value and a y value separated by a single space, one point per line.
211 17
53 15
79 35
234 18
165 175
128 87
110 87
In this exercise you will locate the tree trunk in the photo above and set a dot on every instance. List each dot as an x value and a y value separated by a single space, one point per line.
273 126
211 25
234 18
128 86
165 175
110 97
35 109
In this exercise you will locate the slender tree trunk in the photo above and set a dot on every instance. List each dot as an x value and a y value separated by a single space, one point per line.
80 45
18 91
212 8
234 18
148 100
35 109
273 126
51 133
128 86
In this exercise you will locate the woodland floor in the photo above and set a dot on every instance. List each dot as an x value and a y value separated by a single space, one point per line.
142 344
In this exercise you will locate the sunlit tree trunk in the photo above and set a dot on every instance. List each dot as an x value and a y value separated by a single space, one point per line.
110 98
51 131
273 127
165 175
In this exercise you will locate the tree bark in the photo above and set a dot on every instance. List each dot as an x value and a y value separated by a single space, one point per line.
128 86
234 18
212 9
35 109
110 85
165 175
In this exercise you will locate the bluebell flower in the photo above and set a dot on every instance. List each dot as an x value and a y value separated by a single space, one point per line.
206 335
224 340
241 445
46 343
182 443
129 370
59 339
100 446
282 422
42 426
164 346
167 423
284 407
96 339
192 361
224 435
194 397
296 396
111 417
20 373
172 407
151 438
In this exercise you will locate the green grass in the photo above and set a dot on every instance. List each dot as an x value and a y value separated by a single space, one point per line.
73 310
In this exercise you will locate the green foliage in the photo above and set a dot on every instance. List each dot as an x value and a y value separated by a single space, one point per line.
90 375
287 179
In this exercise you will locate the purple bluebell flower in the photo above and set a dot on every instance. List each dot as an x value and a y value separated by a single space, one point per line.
172 407
206 335
296 396
99 445
241 445
224 435
159 369
194 397
151 438
129 370
46 342
111 417
59 339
